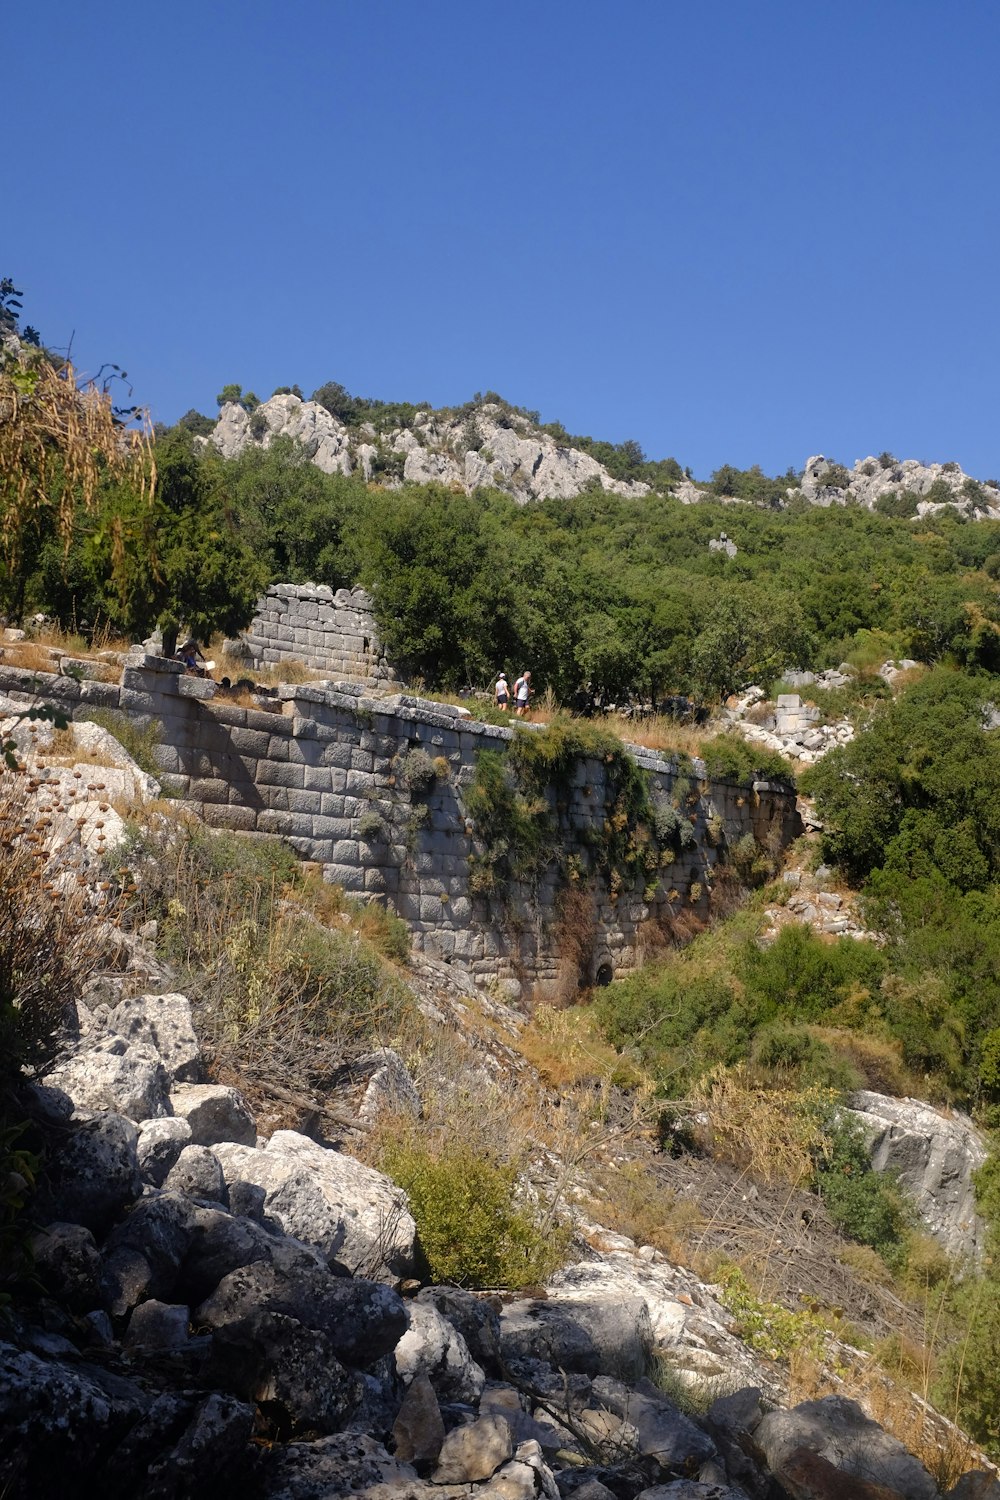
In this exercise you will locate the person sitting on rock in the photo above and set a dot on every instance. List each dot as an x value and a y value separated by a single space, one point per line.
191 656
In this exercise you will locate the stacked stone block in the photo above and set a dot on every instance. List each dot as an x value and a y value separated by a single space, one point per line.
326 771
329 632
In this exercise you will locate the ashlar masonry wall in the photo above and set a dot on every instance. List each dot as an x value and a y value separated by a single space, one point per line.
329 632
327 771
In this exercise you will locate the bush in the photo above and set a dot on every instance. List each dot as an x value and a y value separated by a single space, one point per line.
471 1230
136 740
416 772
729 757
867 1205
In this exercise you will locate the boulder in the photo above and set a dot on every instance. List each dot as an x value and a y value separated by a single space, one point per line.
838 1430
215 1113
198 1174
418 1430
58 1420
345 1466
158 1325
934 1153
474 1451
127 1078
476 1318
431 1346
588 1336
805 1475
93 1176
363 1320
162 1023
67 1264
159 1145
390 1088
662 1431
352 1213
273 1361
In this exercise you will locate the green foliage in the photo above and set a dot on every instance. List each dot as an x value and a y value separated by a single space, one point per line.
136 739
867 1205
471 1230
729 757
916 791
834 477
723 998
417 772
769 1328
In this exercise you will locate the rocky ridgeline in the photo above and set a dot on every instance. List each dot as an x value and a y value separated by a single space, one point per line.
501 448
222 1314
495 447
826 483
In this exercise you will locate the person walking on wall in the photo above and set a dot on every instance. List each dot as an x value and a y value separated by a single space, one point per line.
501 693
522 694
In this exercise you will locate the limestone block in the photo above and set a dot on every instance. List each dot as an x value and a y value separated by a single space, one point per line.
331 805
350 877
232 816
209 789
305 802
347 852
360 784
281 773
318 778
337 829
361 760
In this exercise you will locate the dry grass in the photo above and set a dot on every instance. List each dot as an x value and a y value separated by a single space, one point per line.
628 1199
658 732
566 1049
270 674
769 1132
878 1060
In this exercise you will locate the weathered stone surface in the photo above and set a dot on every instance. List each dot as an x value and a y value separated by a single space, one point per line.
127 1078
838 1430
215 1114
390 1088
269 1357
476 1318
163 1023
431 1346
662 1431
95 1174
158 1325
341 1467
418 1430
159 1145
67 1263
198 1173
363 1320
585 1335
934 1153
474 1451
976 1485
354 1214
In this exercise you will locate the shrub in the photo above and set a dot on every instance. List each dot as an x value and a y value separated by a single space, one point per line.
471 1230
729 757
867 1205
417 772
137 740
372 828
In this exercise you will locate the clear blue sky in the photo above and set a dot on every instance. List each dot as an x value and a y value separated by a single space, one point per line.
737 232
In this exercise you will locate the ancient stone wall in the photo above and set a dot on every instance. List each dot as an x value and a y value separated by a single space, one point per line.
330 632
339 776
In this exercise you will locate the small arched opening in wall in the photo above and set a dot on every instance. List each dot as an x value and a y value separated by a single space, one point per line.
603 973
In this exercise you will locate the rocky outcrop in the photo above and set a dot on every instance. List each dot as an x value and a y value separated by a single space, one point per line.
496 448
932 486
204 1331
934 1154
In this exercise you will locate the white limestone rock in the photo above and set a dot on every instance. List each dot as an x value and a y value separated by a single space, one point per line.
125 1078
352 1213
934 1153
431 1346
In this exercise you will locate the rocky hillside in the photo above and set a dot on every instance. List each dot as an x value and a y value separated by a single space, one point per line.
495 447
503 447
233 1294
